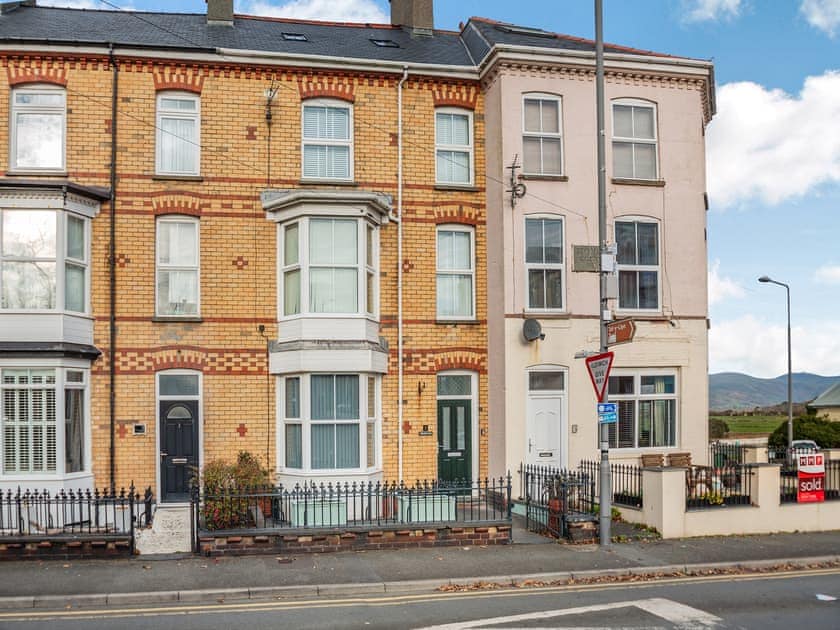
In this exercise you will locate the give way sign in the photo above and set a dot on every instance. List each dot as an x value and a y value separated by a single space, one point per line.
599 371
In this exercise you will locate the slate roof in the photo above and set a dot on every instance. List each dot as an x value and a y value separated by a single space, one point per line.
190 31
829 398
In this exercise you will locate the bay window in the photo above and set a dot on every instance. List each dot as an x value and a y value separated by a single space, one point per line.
43 260
330 421
177 267
31 402
455 272
327 140
178 134
647 409
329 265
37 129
637 264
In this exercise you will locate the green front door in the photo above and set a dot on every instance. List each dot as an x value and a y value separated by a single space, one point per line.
454 440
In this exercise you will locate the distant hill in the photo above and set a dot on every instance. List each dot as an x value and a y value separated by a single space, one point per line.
733 390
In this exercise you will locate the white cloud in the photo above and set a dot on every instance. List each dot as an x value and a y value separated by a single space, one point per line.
754 346
830 274
771 145
365 11
711 10
720 287
822 14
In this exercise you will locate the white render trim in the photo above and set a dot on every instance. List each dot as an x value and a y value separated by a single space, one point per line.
328 360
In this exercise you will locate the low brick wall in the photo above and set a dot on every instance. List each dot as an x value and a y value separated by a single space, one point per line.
323 541
64 548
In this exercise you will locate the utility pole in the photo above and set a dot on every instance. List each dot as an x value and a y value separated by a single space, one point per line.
605 496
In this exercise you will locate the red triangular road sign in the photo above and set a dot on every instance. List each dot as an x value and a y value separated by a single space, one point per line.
599 371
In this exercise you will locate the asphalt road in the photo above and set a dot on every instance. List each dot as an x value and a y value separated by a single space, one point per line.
786 600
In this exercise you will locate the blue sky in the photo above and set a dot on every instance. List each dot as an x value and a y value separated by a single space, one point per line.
773 148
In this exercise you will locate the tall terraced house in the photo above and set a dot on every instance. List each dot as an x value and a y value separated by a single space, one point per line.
224 233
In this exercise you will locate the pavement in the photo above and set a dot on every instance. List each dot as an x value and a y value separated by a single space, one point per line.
187 578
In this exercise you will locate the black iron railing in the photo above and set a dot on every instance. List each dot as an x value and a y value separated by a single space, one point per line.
725 454
556 497
789 482
351 505
626 482
76 513
710 486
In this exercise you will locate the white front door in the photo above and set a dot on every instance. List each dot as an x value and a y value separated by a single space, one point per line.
545 421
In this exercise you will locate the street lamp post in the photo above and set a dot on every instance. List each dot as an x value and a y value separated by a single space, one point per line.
789 372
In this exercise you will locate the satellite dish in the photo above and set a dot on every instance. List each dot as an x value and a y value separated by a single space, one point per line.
532 330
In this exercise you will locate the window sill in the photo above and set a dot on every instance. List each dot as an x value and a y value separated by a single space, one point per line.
174 319
456 322
656 183
44 173
177 178
328 182
547 178
457 187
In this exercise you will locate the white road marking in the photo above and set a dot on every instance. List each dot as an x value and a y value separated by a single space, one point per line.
682 616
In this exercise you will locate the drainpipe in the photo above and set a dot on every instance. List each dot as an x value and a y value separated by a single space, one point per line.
112 269
400 274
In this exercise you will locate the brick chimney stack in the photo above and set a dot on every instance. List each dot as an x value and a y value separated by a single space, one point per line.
415 16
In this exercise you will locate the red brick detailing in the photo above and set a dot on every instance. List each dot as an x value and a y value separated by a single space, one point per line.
250 133
456 214
178 78
36 71
177 204
241 430
455 96
240 262
326 87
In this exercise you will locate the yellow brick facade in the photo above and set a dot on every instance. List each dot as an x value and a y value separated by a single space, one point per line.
238 248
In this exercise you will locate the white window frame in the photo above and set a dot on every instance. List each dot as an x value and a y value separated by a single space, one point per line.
637 103
455 227
561 266
15 109
457 148
159 267
303 266
640 268
328 142
475 445
306 422
637 396
61 261
61 367
199 421
161 113
541 135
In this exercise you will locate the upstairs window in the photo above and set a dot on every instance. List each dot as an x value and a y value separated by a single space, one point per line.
178 134
453 147
634 140
329 266
177 267
455 272
37 129
544 263
43 260
638 264
327 140
542 140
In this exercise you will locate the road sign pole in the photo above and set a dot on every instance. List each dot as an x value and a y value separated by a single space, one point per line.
606 479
